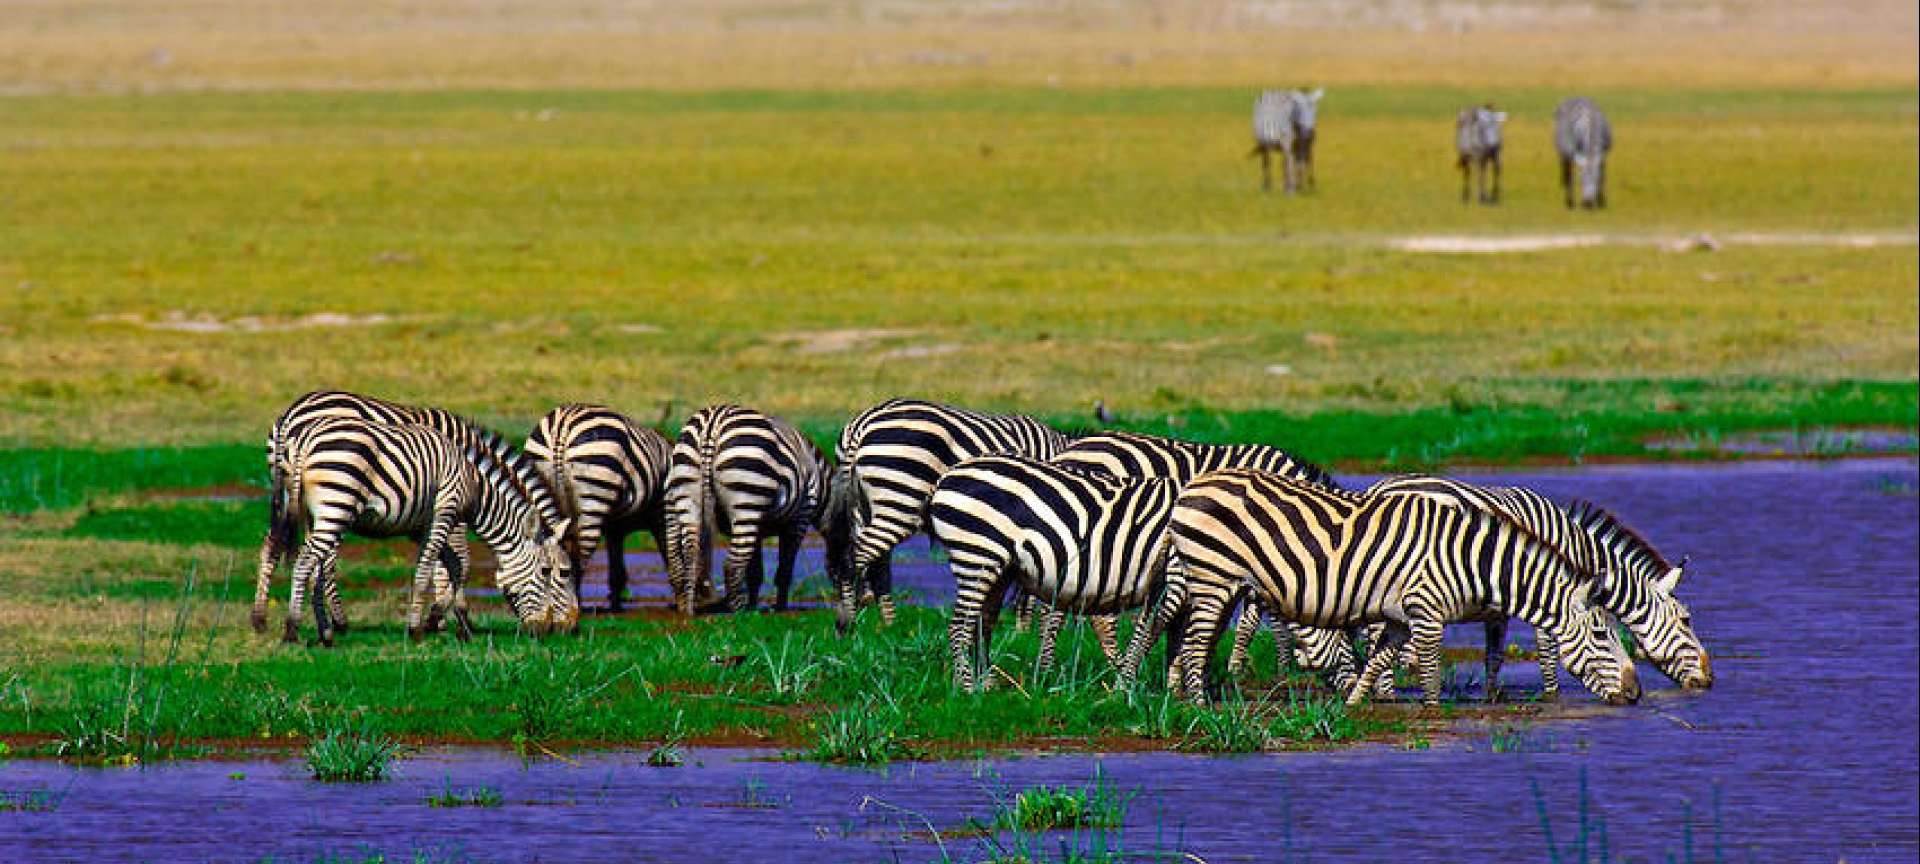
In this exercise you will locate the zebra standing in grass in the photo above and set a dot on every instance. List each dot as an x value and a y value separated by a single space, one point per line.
1583 138
1476 134
381 480
890 456
1285 120
1334 560
1087 542
1131 454
1637 582
490 448
751 476
609 473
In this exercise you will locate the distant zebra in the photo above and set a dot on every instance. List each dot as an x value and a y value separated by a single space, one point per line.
890 456
609 473
1081 541
1333 560
1476 134
1285 120
493 451
1132 454
1583 138
1637 582
750 476
380 480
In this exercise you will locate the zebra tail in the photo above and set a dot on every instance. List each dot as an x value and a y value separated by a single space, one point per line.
283 511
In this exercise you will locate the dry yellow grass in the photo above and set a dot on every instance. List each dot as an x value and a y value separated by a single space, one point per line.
285 44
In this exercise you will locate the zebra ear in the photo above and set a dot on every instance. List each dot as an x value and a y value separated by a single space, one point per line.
1499 116
1669 582
1317 93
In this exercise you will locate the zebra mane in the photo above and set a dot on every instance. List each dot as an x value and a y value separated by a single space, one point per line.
1619 537
1581 575
1313 473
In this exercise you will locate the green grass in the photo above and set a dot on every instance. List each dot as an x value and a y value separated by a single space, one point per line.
352 754
1098 804
478 796
1045 248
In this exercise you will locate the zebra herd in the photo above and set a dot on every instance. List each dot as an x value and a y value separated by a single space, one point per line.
1285 122
1196 538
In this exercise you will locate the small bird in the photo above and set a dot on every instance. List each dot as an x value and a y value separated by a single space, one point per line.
1100 411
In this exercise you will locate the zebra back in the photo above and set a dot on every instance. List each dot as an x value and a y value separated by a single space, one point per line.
1273 119
1477 131
601 464
1133 454
492 453
1580 128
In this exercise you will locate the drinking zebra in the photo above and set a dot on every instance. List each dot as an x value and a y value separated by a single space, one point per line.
1284 120
1476 134
1637 582
1583 138
492 451
378 480
750 476
1132 454
1080 541
1333 560
609 473
890 456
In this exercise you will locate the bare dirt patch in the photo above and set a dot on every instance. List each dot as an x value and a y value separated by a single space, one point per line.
204 322
1471 245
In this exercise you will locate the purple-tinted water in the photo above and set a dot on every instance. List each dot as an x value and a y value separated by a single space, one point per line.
1804 582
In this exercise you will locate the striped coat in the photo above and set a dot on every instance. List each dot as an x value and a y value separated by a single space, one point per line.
1335 560
379 480
1286 122
753 477
1080 541
1476 135
1583 138
491 452
609 473
891 455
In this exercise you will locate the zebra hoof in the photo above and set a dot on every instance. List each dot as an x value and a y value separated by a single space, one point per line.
259 620
291 635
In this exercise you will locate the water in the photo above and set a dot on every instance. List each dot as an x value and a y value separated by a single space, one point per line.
1804 583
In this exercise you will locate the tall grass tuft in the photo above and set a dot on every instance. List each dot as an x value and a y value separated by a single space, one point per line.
865 735
1050 808
352 754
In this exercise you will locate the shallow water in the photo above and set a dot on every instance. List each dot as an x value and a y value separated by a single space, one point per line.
1804 583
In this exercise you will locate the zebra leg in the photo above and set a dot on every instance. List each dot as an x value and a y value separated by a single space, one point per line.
330 584
1106 628
424 568
1266 169
263 579
1244 629
313 557
1153 621
790 540
967 633
743 552
1205 609
1600 190
1495 163
455 560
1051 621
1546 649
882 585
1022 610
1426 635
1566 180
1466 177
616 543
1380 660
1495 655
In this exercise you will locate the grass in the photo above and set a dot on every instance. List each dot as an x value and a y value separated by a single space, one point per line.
352 754
478 796
1098 804
1110 245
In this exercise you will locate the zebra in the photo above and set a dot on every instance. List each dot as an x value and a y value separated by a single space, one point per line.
1284 120
609 473
1583 138
890 457
493 451
1334 559
1133 454
1082 541
752 476
1476 134
1638 583
380 480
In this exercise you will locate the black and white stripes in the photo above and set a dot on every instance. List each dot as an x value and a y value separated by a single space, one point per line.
1583 138
1334 560
381 480
751 476
1286 121
609 474
891 455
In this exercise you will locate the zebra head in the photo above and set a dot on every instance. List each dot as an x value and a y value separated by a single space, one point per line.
1592 652
1662 628
549 604
1306 110
1486 126
1589 170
